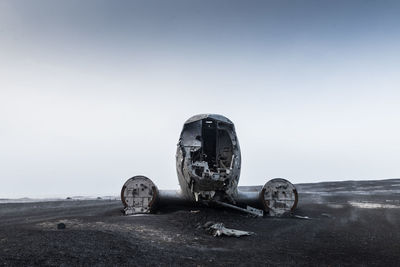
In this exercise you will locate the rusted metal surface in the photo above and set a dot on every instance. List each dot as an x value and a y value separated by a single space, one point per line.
279 197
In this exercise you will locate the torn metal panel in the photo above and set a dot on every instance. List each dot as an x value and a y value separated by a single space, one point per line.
219 229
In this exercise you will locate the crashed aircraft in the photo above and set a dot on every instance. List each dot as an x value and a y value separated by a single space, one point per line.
208 163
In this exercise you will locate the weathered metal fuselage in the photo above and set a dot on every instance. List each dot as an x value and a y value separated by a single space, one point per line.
208 165
208 158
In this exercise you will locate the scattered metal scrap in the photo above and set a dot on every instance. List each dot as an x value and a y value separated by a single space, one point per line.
250 210
219 229
302 217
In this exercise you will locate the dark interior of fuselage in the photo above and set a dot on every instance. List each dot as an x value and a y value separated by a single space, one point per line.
217 148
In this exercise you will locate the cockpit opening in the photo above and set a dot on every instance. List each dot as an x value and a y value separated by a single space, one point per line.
217 148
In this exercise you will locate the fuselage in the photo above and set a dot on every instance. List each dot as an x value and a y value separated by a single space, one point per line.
208 166
208 158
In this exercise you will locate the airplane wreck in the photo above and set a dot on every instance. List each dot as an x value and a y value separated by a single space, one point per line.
208 163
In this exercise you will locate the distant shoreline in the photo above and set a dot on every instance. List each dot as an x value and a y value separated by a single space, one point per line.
32 200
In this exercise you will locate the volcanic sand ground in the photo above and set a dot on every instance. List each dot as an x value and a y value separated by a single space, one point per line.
352 223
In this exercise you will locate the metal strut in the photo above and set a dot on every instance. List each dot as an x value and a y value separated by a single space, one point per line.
248 209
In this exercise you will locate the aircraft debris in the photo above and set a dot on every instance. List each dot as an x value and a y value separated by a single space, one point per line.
139 194
208 224
194 211
248 209
208 164
302 217
219 229
279 197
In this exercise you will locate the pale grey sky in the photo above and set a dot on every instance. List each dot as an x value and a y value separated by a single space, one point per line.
94 92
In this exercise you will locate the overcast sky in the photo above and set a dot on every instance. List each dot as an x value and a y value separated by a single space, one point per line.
95 92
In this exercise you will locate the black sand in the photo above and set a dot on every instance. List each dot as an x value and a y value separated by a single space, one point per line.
352 223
